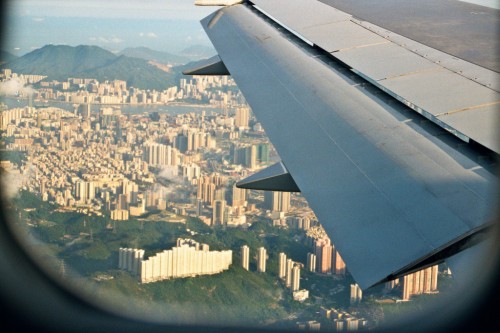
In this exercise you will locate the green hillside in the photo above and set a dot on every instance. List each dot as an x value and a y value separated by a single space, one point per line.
137 72
60 62
236 296
88 247
197 52
148 54
6 56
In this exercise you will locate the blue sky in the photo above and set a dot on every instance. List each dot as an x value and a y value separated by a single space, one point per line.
164 25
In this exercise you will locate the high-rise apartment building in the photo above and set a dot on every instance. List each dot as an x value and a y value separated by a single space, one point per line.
84 111
190 171
277 201
282 265
263 152
288 274
199 207
261 259
207 187
295 278
158 154
129 259
299 222
239 197
245 257
242 117
181 143
220 194
84 191
356 294
323 255
206 191
338 265
245 155
219 212
389 285
188 258
311 262
420 282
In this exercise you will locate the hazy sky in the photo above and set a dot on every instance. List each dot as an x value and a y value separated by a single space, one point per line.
486 3
165 25
130 9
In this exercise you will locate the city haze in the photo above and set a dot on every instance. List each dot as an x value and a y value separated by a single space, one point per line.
168 26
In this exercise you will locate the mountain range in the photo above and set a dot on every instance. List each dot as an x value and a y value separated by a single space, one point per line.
198 52
6 57
155 56
59 62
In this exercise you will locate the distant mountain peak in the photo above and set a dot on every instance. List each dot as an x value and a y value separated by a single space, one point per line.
159 57
6 56
197 52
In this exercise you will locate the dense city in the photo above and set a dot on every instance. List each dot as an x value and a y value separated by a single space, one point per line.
102 151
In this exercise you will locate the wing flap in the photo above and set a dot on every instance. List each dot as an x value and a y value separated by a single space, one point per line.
273 178
211 66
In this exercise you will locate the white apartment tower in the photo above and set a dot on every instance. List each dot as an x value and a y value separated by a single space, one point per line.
245 257
282 265
261 259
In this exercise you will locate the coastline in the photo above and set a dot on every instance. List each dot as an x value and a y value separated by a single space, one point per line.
188 104
175 107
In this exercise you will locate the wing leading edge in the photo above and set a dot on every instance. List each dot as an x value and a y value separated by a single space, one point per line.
392 197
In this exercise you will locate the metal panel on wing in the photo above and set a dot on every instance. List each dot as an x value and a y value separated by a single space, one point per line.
343 35
300 14
439 92
378 62
482 122
359 44
464 68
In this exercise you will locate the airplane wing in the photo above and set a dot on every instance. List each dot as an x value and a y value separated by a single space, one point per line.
361 118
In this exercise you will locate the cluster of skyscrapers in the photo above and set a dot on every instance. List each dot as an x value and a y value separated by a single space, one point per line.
325 258
342 321
289 272
261 258
187 259
210 188
250 155
277 201
211 191
89 90
7 117
157 154
356 294
424 281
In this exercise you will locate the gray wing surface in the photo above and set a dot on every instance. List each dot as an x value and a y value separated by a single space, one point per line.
391 193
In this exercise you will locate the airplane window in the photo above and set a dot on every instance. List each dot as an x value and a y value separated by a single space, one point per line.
118 179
